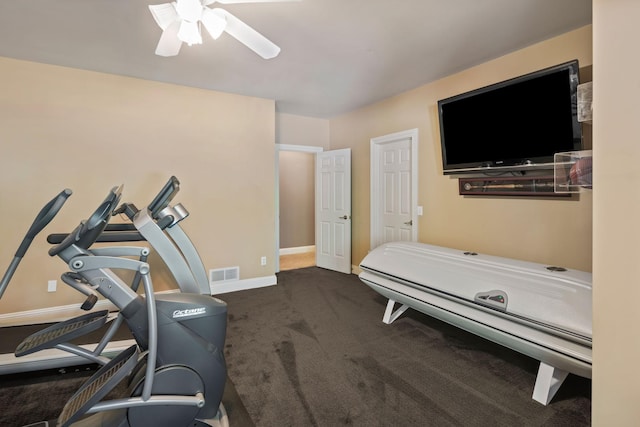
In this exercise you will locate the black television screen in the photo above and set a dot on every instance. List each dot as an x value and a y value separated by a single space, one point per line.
513 125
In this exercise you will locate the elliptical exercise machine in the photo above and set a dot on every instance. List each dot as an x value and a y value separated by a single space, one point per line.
159 224
176 371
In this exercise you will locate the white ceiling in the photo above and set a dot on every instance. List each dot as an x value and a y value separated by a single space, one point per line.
337 55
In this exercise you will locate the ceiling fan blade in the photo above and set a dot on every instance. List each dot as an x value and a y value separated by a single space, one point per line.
164 14
247 35
213 22
169 44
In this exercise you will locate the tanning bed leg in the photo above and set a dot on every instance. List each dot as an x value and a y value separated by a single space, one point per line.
390 315
548 382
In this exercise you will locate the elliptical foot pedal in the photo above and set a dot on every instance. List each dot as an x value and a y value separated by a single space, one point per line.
62 332
97 387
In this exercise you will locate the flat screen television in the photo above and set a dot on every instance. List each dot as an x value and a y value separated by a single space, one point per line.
514 125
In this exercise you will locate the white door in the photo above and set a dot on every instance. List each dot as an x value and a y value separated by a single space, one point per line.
395 167
393 188
333 210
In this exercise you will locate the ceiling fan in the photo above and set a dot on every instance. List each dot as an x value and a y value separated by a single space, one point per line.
181 22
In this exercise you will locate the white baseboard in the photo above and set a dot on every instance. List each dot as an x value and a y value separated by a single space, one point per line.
53 358
55 314
49 314
243 285
297 250
64 312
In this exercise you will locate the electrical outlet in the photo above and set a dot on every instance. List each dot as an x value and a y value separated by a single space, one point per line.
263 261
52 285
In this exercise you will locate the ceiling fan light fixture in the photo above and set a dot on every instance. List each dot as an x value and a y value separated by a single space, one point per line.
181 21
189 33
189 10
213 22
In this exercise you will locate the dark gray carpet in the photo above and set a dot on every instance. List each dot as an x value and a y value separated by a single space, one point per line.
39 396
313 351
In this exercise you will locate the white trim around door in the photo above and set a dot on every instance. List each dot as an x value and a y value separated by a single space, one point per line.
286 147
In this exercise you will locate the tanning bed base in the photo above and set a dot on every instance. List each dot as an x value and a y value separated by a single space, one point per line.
401 272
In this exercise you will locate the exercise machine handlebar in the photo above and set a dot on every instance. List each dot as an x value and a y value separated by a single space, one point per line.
123 232
164 197
44 217
88 231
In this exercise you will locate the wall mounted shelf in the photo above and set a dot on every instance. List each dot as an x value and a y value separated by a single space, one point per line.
540 186
573 171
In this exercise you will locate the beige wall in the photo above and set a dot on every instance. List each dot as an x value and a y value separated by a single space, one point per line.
297 201
616 211
299 130
62 127
547 231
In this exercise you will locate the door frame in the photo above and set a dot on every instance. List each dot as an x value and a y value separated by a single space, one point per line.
376 200
286 147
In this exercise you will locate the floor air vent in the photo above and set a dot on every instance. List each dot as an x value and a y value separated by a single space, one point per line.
221 275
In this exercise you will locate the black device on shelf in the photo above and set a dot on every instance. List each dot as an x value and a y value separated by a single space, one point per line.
539 186
514 125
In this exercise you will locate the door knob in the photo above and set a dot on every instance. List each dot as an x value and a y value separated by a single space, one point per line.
410 222
344 217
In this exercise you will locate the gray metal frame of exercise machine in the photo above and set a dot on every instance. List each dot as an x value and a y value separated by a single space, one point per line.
141 315
158 224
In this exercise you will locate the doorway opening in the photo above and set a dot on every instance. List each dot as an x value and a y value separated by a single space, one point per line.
295 198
